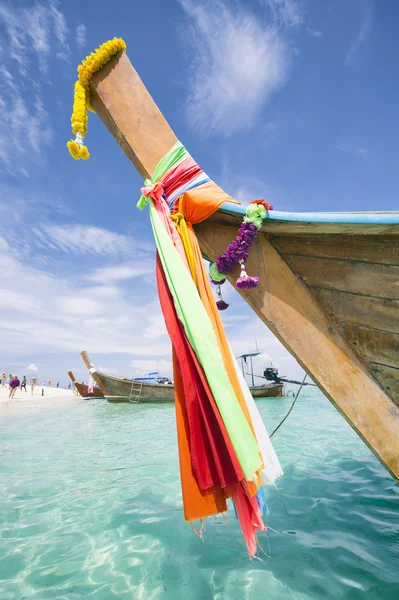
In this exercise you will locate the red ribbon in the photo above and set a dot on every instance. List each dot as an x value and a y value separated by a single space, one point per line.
155 191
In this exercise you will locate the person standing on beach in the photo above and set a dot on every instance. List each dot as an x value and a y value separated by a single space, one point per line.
23 384
3 379
58 385
33 382
49 383
14 384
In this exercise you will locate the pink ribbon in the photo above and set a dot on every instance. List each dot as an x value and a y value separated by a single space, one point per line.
154 191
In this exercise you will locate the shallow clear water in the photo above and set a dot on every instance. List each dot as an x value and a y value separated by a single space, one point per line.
90 507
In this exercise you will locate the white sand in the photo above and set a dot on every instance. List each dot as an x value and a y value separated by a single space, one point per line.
24 401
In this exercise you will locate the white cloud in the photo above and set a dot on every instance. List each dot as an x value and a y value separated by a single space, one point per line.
41 312
16 300
85 239
24 129
59 22
30 34
120 272
313 32
363 33
142 367
79 304
33 28
352 149
81 35
287 12
238 64
32 367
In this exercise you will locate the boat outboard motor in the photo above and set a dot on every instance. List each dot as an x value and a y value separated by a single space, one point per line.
271 374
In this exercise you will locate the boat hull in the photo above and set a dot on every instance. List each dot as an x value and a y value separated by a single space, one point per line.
84 391
273 390
117 389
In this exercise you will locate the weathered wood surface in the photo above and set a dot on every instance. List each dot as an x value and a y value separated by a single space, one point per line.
380 281
357 248
282 300
375 313
293 313
388 377
375 346
123 103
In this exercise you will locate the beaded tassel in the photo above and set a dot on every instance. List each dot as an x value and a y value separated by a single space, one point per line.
220 303
245 282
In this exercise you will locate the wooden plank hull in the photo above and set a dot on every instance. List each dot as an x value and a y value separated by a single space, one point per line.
324 277
117 389
84 391
271 390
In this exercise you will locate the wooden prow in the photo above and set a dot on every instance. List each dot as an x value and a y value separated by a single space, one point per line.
282 300
88 364
72 377
144 136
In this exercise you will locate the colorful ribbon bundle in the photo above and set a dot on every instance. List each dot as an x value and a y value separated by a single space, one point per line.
224 449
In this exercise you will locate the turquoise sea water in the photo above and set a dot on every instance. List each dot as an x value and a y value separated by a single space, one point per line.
90 507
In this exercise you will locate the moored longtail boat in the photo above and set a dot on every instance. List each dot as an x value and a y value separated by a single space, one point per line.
83 389
119 389
268 390
217 419
328 284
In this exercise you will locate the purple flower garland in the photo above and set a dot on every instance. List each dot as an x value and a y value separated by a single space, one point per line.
237 251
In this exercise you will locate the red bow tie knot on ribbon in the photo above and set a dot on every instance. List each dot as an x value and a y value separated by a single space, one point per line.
155 191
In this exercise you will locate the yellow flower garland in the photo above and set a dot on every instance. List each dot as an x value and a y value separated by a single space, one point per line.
81 101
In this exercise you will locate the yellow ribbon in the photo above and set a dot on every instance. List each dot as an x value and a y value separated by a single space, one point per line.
182 229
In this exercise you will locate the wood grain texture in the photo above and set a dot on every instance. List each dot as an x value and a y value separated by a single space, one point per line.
124 105
358 248
293 313
381 281
375 346
388 377
375 313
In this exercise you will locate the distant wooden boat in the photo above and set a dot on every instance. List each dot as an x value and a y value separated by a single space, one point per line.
269 390
329 282
83 388
118 389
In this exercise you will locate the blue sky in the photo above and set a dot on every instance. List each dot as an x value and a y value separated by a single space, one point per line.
292 101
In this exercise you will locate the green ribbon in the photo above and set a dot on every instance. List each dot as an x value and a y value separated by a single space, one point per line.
201 335
166 164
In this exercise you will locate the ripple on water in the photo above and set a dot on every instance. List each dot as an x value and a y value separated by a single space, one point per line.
91 507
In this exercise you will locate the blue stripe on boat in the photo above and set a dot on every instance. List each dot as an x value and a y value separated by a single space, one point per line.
360 218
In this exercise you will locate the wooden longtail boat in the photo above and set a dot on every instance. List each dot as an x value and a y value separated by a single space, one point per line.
83 388
269 390
329 282
119 389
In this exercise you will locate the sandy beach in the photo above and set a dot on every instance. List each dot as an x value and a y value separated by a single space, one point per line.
52 398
